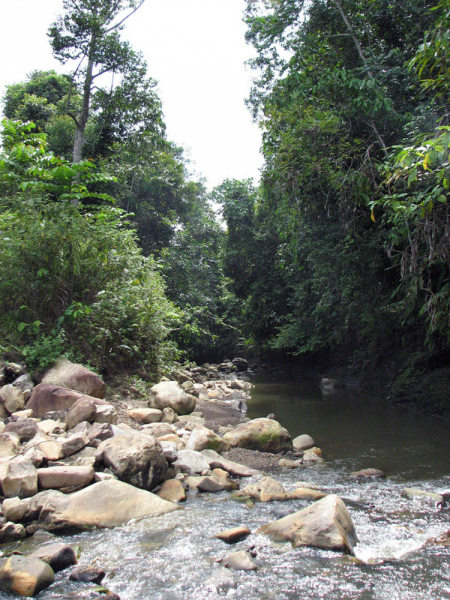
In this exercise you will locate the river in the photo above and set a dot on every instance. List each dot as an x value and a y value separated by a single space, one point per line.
171 557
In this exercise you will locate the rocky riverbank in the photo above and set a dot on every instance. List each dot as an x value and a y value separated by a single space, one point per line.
75 457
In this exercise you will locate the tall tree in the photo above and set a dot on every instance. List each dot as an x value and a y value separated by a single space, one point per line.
89 32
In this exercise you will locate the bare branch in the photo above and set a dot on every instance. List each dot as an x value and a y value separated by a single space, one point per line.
72 116
125 18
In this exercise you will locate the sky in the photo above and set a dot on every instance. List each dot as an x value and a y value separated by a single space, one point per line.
195 49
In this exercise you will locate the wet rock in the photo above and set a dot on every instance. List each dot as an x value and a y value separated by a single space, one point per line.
220 581
305 494
25 576
204 484
19 478
88 574
12 532
233 468
49 399
58 556
240 561
9 444
265 435
146 415
311 458
168 394
285 463
190 461
303 442
266 490
231 536
325 524
411 493
55 478
203 438
135 459
83 410
374 473
106 413
75 377
173 491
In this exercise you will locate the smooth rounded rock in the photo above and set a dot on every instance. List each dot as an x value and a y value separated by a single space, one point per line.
240 561
236 534
25 575
168 394
172 490
265 435
58 556
60 477
303 442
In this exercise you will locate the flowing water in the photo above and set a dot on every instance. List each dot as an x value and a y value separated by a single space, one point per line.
172 557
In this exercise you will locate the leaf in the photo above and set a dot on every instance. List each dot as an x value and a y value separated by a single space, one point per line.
372 216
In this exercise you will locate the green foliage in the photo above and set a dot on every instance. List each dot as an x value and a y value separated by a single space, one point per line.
72 270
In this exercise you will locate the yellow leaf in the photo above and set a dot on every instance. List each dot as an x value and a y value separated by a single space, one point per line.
372 216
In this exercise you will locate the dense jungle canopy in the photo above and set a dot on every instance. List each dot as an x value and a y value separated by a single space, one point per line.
112 253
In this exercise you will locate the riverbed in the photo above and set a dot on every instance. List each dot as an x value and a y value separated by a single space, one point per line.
174 556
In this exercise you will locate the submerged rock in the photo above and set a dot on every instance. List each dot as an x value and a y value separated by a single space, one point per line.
325 524
375 473
240 561
411 493
265 435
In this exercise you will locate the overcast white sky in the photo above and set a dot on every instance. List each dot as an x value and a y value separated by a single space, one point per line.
194 48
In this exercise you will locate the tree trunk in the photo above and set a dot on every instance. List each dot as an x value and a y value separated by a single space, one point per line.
84 115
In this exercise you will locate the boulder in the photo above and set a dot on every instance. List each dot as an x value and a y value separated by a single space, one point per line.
146 415
231 536
305 494
303 442
220 581
240 363
74 443
12 398
203 438
25 575
170 451
266 490
369 473
26 429
58 556
88 574
83 410
240 561
216 461
135 459
47 446
172 490
54 478
311 458
49 426
285 463
47 398
105 504
98 433
168 394
75 377
190 461
159 429
169 415
24 382
12 532
106 413
325 524
205 484
19 478
265 435
9 444
194 419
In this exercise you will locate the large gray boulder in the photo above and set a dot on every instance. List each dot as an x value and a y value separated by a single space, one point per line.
135 459
265 435
75 377
168 394
105 504
325 524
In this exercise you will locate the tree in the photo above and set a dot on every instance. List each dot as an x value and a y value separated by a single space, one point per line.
89 32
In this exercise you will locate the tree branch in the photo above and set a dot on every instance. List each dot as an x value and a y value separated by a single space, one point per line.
125 18
72 116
